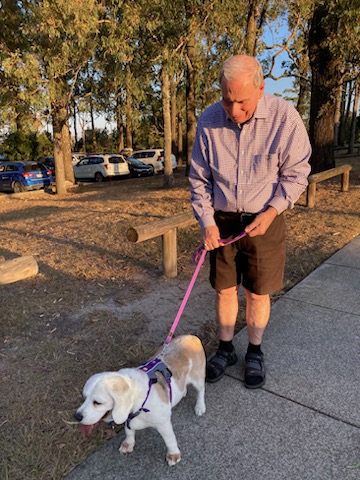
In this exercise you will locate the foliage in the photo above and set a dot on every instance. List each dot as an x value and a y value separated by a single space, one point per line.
27 146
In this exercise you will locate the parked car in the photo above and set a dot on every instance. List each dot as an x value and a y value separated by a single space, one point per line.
77 156
101 167
154 157
48 162
173 160
138 168
151 157
20 176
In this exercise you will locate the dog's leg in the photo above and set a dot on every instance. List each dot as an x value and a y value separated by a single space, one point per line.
200 407
128 444
173 455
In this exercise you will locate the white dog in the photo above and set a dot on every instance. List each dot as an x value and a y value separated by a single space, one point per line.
141 398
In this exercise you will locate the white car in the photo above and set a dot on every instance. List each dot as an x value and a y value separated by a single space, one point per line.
101 167
151 156
155 158
76 157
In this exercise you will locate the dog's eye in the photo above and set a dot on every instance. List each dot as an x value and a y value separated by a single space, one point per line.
96 403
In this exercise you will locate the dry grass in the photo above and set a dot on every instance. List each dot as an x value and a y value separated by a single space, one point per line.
62 325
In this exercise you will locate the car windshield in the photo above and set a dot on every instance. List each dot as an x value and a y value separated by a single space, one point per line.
135 161
31 167
116 160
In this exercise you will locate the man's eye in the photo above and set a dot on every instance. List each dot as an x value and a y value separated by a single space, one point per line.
96 403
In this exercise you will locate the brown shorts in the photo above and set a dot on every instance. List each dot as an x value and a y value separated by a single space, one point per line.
255 262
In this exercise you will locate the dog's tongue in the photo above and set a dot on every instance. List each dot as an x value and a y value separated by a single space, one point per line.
87 429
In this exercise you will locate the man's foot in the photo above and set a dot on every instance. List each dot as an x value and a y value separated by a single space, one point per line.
217 364
254 370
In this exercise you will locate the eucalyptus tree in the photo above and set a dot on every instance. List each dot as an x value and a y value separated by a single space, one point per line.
21 95
53 41
333 43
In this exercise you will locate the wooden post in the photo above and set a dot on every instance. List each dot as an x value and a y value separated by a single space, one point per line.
343 170
310 195
167 229
345 181
169 253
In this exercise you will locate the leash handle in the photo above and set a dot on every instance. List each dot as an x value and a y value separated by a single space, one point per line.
199 258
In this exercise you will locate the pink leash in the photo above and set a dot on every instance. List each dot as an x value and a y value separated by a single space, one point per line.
199 258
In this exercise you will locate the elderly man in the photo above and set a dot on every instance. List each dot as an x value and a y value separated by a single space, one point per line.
249 164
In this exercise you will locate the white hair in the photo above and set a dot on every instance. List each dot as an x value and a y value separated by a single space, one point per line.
242 66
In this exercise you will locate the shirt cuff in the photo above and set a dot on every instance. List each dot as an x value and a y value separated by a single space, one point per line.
206 221
280 204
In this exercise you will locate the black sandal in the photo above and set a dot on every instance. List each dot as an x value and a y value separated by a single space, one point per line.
217 364
254 370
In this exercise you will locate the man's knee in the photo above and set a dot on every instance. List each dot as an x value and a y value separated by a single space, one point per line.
254 297
228 292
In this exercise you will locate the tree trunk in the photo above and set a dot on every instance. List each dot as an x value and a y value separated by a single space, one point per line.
337 115
343 117
128 107
173 116
119 125
59 121
190 99
251 31
180 141
354 118
93 132
165 90
75 123
301 106
66 150
325 80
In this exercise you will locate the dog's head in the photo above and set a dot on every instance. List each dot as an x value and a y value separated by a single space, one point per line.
108 396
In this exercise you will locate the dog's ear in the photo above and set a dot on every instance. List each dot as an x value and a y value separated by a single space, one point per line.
120 389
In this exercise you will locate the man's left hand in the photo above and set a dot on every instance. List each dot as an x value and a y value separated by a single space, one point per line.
261 223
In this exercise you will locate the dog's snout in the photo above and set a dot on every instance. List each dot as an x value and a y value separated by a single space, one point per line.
79 416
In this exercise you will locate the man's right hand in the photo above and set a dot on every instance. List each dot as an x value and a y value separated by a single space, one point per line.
211 237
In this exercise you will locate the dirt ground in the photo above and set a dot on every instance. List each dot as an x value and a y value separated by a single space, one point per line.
100 302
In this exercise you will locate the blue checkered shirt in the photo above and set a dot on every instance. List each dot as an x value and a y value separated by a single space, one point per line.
249 167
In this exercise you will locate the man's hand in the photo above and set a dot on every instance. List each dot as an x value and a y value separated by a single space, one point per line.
261 223
211 236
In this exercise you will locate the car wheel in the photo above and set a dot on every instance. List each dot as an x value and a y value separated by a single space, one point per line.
99 177
18 187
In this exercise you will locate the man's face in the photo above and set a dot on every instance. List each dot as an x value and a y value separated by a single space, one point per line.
240 98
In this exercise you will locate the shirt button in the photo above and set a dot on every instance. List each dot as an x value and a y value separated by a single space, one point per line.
242 172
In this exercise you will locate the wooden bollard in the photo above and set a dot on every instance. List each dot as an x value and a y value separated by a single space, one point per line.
18 269
167 229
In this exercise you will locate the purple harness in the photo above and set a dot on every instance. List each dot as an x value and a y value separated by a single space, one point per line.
150 368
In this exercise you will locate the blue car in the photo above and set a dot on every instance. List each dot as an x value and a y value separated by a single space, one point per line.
21 176
138 168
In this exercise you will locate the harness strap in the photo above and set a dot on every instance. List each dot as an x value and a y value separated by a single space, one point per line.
150 368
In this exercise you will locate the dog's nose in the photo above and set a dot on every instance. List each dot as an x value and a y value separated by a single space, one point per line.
79 416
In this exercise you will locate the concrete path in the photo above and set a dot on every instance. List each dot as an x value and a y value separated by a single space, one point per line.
304 424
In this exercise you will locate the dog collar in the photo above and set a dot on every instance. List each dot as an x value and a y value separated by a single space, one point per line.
150 368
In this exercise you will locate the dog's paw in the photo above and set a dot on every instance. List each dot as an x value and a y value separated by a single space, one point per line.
200 409
126 447
173 458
